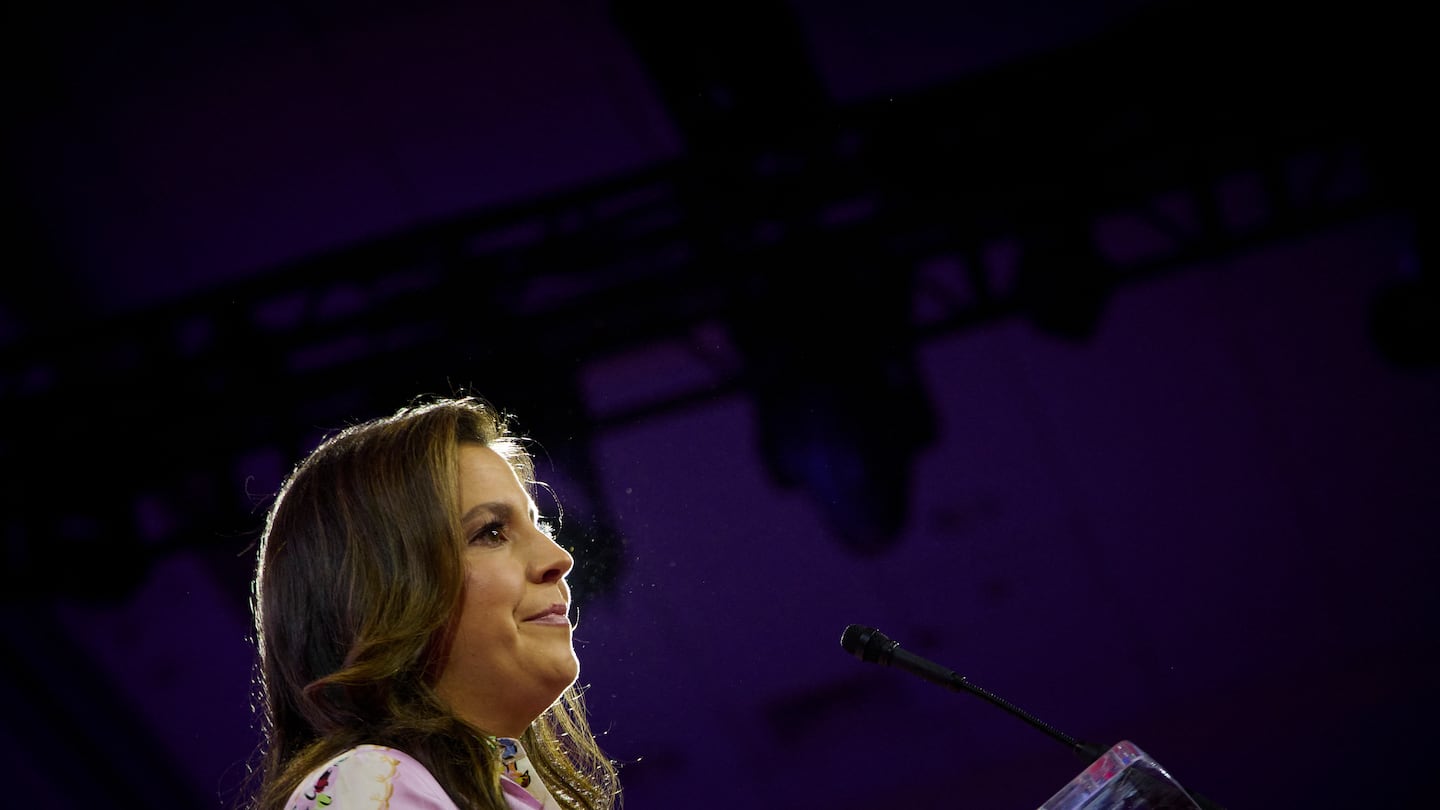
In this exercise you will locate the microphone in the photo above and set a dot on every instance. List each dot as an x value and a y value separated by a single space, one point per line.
872 646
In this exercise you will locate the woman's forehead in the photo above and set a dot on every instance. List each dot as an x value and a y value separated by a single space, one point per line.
486 476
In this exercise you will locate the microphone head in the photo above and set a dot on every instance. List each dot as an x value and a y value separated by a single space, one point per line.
867 644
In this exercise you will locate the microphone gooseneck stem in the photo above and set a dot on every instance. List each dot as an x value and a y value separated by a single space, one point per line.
1088 751
869 644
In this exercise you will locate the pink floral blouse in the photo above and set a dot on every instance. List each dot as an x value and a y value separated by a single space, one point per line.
374 777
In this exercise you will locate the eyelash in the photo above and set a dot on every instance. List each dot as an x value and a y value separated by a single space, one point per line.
497 529
491 533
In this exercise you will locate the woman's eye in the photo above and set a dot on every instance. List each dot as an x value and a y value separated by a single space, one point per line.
489 534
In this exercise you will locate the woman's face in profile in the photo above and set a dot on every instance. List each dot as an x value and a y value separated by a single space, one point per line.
511 654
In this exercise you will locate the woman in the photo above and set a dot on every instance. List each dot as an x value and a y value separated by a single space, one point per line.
412 621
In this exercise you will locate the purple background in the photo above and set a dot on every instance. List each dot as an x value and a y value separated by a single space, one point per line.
1209 527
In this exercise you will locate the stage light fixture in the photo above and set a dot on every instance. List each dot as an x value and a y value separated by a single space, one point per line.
840 406
1063 280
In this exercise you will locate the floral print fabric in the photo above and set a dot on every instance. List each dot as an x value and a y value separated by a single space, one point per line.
375 777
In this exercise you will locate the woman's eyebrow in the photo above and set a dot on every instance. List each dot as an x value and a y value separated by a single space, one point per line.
499 509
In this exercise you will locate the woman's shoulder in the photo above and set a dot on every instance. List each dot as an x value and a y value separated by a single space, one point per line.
370 777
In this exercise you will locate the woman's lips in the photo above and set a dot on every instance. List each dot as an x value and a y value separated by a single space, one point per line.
553 615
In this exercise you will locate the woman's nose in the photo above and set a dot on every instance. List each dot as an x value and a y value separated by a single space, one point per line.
552 562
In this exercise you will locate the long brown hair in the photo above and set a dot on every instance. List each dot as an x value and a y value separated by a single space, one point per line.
358 579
